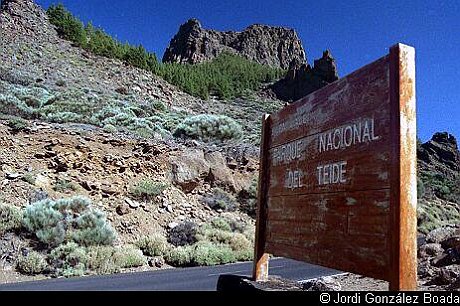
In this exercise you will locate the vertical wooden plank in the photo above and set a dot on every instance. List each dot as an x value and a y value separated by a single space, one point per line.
261 258
403 229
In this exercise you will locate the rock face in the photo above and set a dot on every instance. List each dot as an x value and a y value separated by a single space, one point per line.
274 46
194 167
440 154
26 17
302 79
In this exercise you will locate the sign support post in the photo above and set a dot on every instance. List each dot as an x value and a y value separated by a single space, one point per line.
403 209
261 258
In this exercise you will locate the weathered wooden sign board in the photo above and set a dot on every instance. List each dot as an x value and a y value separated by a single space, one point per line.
337 184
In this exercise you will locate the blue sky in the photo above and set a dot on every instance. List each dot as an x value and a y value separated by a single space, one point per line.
356 32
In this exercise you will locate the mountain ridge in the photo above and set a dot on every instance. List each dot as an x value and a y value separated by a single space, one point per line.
268 45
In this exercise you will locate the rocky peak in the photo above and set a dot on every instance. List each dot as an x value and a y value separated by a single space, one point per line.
326 67
191 25
302 79
274 46
445 139
440 153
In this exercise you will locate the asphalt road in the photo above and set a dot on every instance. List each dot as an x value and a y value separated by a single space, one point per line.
188 279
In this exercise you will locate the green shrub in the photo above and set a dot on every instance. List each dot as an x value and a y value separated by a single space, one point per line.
63 117
142 121
16 76
220 199
183 234
239 242
217 244
137 57
110 128
92 228
11 105
227 233
250 233
29 178
33 263
221 223
71 105
147 189
144 132
153 245
63 185
128 257
22 101
242 247
101 259
209 233
10 218
434 214
209 128
180 256
158 105
69 259
443 191
68 219
442 186
18 124
208 254
226 76
102 44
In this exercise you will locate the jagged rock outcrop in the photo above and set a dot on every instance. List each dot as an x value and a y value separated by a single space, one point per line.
302 79
440 154
274 46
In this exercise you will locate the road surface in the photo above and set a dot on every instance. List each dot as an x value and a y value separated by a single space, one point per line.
188 279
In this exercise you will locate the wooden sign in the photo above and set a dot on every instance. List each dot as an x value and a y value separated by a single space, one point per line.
337 184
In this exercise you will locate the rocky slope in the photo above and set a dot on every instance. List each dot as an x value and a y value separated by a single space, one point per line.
50 160
33 55
274 46
438 182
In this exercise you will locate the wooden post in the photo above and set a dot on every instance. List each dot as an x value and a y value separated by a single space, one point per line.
261 259
403 201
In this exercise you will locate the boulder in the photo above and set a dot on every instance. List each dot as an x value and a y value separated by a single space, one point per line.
441 234
237 283
451 242
451 256
219 173
430 250
122 209
191 168
425 269
322 284
445 276
188 169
